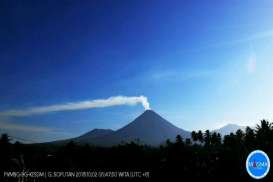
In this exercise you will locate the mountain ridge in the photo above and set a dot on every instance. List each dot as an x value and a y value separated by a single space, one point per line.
148 128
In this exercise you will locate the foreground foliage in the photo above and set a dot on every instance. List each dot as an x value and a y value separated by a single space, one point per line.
205 155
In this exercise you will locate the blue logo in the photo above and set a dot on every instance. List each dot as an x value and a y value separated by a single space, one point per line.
257 164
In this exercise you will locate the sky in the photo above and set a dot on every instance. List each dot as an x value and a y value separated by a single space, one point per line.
67 67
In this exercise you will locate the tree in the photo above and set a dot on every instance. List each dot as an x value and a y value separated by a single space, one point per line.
179 140
263 130
265 125
219 138
264 134
215 139
194 136
4 139
249 138
207 138
188 141
239 134
200 136
5 144
5 151
230 140
168 143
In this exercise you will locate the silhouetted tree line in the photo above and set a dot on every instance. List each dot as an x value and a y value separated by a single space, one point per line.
206 155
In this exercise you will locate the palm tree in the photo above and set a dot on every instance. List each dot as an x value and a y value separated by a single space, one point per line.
264 134
264 128
264 125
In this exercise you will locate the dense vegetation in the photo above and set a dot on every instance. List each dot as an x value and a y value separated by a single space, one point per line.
205 155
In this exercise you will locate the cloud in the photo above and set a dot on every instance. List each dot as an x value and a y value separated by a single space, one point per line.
248 39
180 75
233 42
251 64
26 128
253 37
89 104
30 133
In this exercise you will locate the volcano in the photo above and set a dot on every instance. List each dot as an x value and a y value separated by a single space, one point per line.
149 128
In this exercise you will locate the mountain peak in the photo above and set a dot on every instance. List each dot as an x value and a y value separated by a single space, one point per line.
229 128
150 112
149 116
150 128
232 125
